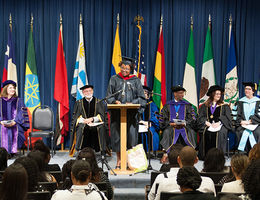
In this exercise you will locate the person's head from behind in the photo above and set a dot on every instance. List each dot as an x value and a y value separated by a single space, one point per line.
14 183
214 160
254 153
239 164
173 155
188 178
38 157
66 174
40 146
81 172
251 179
32 170
3 158
187 157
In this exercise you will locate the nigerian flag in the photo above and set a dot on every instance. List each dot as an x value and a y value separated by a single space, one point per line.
31 90
189 79
208 72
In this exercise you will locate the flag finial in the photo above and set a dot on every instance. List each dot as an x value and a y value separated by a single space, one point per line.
138 18
80 18
191 20
60 19
209 19
117 18
10 19
31 19
161 22
230 19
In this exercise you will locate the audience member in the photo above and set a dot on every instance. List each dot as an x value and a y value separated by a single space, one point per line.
3 159
44 176
82 188
254 153
187 157
215 161
32 171
239 164
14 186
189 180
251 180
97 173
66 175
40 146
172 172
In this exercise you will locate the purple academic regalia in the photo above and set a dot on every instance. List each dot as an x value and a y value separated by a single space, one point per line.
12 138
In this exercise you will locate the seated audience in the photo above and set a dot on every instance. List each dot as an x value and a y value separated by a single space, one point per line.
172 172
39 159
14 186
40 146
3 159
215 161
187 157
82 188
189 180
239 164
97 173
66 175
32 171
251 180
254 153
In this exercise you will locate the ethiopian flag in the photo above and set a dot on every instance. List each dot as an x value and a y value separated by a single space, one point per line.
159 85
31 90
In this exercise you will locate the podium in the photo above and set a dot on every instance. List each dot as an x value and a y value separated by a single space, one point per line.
123 131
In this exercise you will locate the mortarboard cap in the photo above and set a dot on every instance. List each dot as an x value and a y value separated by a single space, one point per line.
178 88
147 88
214 88
251 84
8 82
86 86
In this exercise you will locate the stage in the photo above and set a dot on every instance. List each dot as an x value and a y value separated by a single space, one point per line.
127 187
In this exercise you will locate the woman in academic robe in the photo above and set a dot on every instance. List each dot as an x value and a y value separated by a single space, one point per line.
248 118
214 121
13 118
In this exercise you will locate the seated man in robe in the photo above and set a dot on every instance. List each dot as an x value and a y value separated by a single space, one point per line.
178 122
86 127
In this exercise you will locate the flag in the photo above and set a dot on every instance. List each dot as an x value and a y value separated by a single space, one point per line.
61 93
80 75
116 57
258 89
231 84
208 72
189 79
31 86
159 83
141 68
10 72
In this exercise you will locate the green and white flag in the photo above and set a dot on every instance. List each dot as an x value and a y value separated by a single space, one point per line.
208 72
189 79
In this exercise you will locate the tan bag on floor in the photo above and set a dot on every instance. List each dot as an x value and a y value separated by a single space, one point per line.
137 159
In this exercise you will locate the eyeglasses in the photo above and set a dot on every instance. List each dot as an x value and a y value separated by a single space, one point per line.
125 69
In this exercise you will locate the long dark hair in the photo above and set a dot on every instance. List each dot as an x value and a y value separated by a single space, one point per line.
3 158
214 161
66 174
40 146
211 98
14 184
89 155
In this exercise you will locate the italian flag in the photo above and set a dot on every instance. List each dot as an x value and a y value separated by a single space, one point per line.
208 73
159 85
189 79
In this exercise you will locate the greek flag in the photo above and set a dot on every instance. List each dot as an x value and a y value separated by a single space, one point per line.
80 75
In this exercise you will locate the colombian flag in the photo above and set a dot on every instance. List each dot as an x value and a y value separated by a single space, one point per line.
159 85
116 58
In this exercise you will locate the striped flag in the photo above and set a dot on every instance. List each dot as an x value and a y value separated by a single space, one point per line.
116 57
189 79
141 68
80 75
231 84
10 72
61 93
208 72
159 83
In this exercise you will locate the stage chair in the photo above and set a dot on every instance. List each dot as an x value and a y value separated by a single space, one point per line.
43 195
42 120
47 186
215 176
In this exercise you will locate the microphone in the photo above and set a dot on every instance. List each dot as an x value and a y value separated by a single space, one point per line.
123 91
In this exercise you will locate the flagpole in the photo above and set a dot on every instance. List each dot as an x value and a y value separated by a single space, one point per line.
139 18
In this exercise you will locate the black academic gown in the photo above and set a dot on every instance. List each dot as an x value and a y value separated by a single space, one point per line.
81 134
213 139
169 131
254 118
132 93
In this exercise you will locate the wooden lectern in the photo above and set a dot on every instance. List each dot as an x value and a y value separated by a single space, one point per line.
123 131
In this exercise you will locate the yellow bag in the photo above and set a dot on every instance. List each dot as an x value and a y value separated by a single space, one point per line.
137 159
